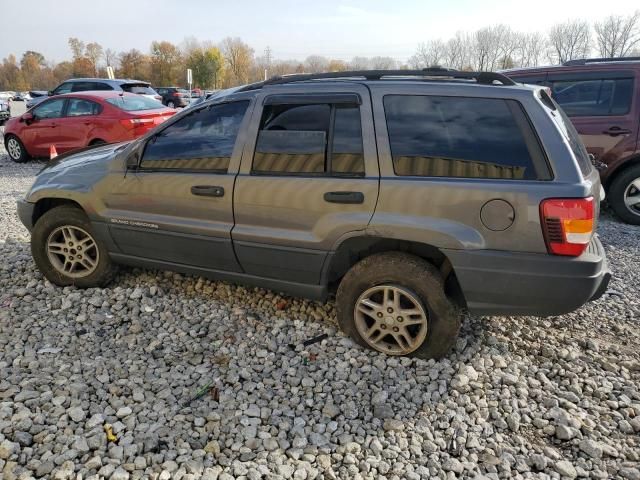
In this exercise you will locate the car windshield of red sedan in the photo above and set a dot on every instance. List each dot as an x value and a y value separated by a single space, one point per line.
132 104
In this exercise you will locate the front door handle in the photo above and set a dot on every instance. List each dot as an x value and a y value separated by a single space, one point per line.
207 191
615 131
344 197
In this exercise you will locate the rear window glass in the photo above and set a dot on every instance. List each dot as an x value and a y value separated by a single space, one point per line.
597 97
132 104
573 138
140 89
435 136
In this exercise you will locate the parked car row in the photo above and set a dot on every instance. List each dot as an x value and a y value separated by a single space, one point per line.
5 110
406 193
601 97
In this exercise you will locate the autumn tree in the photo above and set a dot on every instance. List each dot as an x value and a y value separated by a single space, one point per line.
94 52
337 66
207 65
238 58
166 61
134 64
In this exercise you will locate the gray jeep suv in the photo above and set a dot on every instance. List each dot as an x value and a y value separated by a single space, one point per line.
408 193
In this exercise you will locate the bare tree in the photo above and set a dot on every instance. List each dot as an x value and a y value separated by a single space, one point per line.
569 40
239 58
429 54
316 63
383 63
616 35
360 63
457 51
111 57
531 49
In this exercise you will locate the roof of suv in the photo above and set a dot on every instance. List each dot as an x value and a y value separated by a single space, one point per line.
115 81
586 64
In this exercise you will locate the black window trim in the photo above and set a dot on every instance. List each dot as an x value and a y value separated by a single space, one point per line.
211 171
319 99
313 99
541 164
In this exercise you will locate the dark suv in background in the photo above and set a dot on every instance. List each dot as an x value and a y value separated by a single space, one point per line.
601 96
174 96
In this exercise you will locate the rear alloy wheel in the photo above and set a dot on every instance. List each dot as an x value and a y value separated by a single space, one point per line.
395 303
624 195
16 149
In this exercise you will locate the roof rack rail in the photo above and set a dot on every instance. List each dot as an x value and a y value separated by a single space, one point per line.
584 61
484 78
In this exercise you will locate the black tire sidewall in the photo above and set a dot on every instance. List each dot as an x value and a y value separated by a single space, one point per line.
23 152
616 194
57 217
417 276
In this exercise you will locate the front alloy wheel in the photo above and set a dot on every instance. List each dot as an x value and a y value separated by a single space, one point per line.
15 149
391 319
632 196
72 251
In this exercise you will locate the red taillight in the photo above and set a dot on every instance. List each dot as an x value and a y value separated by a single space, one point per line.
131 123
568 224
177 94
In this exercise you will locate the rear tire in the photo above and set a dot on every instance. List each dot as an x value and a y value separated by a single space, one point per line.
68 252
395 303
623 194
15 149
97 141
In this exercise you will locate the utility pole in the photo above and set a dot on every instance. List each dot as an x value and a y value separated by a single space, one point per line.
267 56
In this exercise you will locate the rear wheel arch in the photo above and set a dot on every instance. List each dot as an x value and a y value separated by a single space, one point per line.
629 163
97 141
354 249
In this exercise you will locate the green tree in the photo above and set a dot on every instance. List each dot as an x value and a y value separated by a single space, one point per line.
207 65
166 62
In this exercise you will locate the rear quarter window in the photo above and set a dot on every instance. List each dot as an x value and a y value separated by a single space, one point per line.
468 137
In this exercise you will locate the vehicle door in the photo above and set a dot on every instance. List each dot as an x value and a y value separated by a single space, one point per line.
177 206
601 107
74 128
309 178
44 129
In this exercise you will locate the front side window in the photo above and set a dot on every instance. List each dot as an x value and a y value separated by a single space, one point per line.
581 98
434 136
79 108
49 109
202 140
309 139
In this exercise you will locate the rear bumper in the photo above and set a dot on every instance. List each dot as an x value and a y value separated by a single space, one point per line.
25 213
506 283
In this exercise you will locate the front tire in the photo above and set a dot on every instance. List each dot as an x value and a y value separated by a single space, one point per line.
395 303
624 195
15 149
67 251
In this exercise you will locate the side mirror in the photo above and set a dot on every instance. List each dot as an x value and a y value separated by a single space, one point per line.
50 93
27 118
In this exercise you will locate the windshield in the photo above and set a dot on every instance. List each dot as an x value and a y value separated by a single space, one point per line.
132 104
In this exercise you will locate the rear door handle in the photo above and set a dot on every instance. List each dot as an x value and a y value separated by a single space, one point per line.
207 191
344 197
614 131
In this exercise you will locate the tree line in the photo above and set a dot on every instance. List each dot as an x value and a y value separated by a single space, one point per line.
233 62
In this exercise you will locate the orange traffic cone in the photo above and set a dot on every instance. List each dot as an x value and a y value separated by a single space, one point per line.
53 153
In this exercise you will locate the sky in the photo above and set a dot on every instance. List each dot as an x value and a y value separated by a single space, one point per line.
292 29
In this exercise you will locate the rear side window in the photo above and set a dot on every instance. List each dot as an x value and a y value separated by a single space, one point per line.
433 136
200 141
79 108
594 97
320 139
132 104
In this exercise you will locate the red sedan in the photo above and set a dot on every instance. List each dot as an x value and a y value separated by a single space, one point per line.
76 120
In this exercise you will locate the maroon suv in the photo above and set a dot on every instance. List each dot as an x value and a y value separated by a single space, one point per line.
601 96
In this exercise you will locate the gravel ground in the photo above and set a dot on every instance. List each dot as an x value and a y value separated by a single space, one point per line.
517 398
